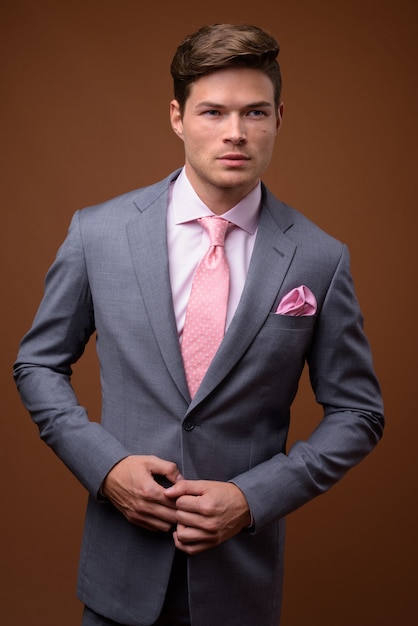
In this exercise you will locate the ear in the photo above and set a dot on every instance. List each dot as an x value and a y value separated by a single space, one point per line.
279 117
176 119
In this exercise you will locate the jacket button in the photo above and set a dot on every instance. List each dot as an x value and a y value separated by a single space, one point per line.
188 425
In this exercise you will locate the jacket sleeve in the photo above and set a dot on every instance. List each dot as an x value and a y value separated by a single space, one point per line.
61 329
343 380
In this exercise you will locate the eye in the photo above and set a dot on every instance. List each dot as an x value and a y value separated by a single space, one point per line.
211 113
257 113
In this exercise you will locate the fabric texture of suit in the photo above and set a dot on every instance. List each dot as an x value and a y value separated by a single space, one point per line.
111 276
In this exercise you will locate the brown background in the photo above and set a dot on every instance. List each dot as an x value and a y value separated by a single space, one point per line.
84 108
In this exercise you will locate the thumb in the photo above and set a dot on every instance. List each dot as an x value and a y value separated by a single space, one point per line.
164 472
185 487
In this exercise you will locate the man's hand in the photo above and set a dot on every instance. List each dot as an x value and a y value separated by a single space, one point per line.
132 489
208 513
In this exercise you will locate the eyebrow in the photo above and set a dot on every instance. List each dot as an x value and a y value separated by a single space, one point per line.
251 105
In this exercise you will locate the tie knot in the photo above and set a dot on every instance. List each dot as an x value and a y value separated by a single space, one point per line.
216 227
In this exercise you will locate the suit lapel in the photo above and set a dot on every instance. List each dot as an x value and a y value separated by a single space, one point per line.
147 236
272 255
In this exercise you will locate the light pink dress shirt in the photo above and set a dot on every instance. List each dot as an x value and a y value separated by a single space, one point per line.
188 242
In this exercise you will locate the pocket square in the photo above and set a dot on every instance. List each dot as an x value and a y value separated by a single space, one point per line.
298 302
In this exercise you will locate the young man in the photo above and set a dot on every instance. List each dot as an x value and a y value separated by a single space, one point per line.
188 476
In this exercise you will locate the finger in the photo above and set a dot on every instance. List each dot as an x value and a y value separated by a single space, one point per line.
192 534
189 487
153 485
191 547
163 468
208 525
189 504
152 516
156 524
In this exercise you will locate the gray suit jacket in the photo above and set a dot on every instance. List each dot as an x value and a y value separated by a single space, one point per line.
111 277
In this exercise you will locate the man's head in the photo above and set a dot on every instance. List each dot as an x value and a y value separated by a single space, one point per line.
223 46
227 110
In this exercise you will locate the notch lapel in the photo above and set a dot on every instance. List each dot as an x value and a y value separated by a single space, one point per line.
272 255
147 236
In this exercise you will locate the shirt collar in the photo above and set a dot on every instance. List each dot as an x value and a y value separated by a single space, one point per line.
188 206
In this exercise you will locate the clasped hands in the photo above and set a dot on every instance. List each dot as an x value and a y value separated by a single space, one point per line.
203 513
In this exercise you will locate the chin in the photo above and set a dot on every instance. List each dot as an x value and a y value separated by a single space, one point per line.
234 180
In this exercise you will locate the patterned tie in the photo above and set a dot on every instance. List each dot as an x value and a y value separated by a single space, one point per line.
204 326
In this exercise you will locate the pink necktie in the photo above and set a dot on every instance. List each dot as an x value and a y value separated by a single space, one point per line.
204 326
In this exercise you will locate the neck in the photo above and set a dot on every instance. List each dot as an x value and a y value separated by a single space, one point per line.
219 199
222 200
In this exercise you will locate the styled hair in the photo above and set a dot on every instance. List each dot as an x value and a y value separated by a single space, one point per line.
222 46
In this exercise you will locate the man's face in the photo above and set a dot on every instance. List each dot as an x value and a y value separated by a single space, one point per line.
229 127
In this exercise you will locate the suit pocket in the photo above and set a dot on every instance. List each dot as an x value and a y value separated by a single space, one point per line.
290 322
284 340
275 361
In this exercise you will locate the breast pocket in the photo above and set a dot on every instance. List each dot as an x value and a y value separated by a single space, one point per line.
276 359
290 322
286 338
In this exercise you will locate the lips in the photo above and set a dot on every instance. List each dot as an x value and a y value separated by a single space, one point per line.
233 156
233 159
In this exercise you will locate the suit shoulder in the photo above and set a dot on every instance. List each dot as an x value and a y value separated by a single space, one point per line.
303 224
120 209
300 228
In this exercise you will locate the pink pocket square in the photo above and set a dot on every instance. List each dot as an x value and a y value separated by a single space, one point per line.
298 302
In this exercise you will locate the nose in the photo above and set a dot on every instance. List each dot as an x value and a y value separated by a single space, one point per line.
235 130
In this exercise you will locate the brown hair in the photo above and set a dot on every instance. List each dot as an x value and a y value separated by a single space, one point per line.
220 46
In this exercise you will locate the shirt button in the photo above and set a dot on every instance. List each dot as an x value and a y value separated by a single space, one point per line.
188 425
